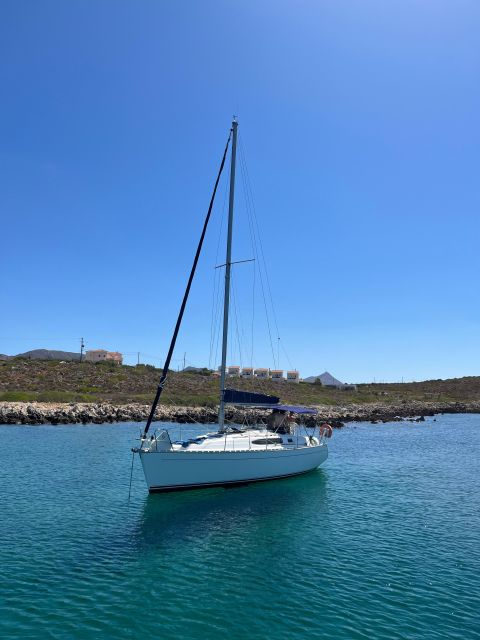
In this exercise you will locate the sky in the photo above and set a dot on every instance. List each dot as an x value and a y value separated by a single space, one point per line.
359 127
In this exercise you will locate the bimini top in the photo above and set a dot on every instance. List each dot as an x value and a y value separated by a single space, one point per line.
262 401
288 408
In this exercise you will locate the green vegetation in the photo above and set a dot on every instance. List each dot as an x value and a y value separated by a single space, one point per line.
23 380
18 396
44 396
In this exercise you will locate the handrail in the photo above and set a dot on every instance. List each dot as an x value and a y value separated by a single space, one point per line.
295 437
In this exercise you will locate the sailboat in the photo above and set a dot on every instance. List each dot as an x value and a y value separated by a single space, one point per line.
277 448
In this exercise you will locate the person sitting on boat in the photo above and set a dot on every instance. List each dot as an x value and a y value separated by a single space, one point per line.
276 420
288 425
282 422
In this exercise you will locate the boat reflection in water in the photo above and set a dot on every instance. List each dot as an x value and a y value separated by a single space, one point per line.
232 514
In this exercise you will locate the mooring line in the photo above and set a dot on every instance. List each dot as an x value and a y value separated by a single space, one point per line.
131 473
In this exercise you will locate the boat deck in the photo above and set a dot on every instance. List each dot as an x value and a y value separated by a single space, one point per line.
249 440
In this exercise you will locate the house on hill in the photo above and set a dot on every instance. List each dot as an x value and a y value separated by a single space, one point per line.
293 376
101 355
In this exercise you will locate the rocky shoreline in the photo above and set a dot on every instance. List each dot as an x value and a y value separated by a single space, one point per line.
32 413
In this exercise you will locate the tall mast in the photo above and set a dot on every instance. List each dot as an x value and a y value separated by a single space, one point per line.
228 267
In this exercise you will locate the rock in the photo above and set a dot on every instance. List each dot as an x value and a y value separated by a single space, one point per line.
84 413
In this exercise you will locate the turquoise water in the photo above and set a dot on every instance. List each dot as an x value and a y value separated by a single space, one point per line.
382 542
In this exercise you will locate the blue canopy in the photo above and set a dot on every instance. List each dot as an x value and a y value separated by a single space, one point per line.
288 408
234 396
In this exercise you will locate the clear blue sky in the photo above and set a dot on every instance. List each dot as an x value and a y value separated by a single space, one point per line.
360 123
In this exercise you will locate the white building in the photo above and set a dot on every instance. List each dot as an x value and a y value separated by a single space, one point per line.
293 376
100 355
247 372
233 371
276 374
262 374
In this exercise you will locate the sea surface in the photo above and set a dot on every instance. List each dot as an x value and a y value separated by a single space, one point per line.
382 542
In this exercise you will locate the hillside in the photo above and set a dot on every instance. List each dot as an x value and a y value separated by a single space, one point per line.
44 354
54 381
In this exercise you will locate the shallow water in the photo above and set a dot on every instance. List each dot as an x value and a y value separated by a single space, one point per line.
381 542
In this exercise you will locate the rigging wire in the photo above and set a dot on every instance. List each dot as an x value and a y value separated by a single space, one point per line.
217 279
213 316
253 236
286 355
253 314
234 297
255 219
236 337
221 296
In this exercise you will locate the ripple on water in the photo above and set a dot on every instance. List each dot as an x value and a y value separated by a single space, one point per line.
380 543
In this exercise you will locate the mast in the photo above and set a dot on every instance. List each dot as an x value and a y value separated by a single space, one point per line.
228 267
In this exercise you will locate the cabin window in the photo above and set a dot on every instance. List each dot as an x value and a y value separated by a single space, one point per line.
290 440
267 441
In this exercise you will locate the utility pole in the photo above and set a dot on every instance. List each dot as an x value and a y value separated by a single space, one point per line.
184 358
138 358
82 345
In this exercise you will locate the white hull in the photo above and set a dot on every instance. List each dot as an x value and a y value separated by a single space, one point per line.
175 470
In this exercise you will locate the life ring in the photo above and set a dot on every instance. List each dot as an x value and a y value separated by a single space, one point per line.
326 430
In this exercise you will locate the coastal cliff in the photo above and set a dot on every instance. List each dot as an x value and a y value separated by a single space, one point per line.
88 413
